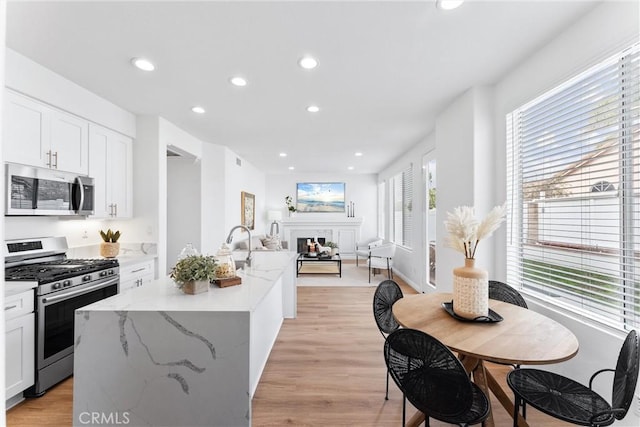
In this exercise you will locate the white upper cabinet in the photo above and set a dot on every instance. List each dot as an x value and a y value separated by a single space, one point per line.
110 165
36 134
69 143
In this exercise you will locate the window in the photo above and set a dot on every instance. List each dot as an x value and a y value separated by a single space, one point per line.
568 243
403 206
382 189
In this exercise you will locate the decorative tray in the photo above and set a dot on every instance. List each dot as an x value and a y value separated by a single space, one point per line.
493 317
311 255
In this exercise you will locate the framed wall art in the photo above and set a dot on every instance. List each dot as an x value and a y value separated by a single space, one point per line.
320 196
248 210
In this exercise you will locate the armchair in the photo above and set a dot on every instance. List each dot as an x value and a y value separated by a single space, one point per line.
363 247
381 257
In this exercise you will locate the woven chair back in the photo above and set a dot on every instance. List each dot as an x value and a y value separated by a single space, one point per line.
503 292
626 376
387 293
428 373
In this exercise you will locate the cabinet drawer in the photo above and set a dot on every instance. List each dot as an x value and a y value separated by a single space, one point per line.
17 305
137 270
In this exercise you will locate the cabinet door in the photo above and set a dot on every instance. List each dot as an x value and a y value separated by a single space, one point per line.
98 161
110 166
69 143
119 151
25 131
19 354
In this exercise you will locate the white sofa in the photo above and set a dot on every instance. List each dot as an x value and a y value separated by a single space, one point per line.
261 242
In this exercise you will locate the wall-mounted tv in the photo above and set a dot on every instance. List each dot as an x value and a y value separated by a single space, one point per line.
320 196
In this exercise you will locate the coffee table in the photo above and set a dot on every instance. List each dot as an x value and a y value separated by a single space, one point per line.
318 260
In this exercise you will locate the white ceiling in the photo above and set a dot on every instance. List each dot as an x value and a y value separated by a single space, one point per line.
385 68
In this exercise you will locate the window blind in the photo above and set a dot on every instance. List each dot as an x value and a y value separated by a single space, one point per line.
573 186
407 205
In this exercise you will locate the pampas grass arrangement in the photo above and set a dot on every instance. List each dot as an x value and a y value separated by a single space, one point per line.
465 231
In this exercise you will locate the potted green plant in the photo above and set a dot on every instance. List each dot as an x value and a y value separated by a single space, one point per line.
333 246
110 247
193 273
290 206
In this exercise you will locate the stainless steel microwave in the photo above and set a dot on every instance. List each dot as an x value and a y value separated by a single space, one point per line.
40 191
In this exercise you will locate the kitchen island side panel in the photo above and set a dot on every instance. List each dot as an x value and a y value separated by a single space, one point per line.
162 368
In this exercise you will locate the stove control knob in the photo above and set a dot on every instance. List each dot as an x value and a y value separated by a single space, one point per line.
110 272
56 285
66 283
103 273
86 278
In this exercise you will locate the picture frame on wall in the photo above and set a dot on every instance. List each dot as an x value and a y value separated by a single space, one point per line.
320 196
248 210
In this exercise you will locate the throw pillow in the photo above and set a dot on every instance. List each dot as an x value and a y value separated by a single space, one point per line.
272 243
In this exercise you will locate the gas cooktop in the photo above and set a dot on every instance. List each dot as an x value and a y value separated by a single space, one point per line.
55 270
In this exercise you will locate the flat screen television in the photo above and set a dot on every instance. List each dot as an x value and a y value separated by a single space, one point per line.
320 196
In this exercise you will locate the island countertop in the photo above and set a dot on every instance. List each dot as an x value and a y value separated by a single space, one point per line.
163 294
156 356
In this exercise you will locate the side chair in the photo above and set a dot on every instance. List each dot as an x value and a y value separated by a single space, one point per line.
386 294
433 379
363 248
381 258
570 401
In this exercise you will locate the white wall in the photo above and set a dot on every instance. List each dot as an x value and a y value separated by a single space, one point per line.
359 188
183 206
213 202
601 33
32 79
410 264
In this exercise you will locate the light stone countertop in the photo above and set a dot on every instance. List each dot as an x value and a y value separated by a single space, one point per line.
14 288
163 295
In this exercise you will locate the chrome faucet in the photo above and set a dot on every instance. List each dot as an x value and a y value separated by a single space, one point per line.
230 239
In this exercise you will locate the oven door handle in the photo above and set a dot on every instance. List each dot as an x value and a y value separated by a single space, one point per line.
71 294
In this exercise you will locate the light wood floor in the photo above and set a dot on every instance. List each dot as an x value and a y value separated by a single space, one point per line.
326 368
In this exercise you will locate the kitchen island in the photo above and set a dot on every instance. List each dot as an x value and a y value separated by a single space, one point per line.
156 356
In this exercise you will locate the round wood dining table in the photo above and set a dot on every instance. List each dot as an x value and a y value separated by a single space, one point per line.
523 337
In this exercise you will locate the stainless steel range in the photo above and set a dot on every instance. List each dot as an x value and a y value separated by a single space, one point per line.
63 285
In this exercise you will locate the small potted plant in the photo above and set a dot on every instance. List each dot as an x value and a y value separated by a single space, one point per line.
333 246
290 206
110 247
193 273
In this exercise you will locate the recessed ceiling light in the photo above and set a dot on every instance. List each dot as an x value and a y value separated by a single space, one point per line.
358 154
448 4
238 81
291 168
350 168
313 108
143 64
198 110
308 63
283 154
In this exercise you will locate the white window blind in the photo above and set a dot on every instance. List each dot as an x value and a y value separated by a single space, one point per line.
573 185
381 209
403 206
407 205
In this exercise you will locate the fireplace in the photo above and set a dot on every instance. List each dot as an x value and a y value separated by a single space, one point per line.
302 243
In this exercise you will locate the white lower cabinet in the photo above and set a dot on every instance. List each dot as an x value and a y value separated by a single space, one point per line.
136 275
20 338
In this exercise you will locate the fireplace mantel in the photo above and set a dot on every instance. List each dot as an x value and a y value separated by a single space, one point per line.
343 231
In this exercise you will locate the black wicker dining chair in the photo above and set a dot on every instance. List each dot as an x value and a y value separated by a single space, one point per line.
502 292
433 379
570 401
387 293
